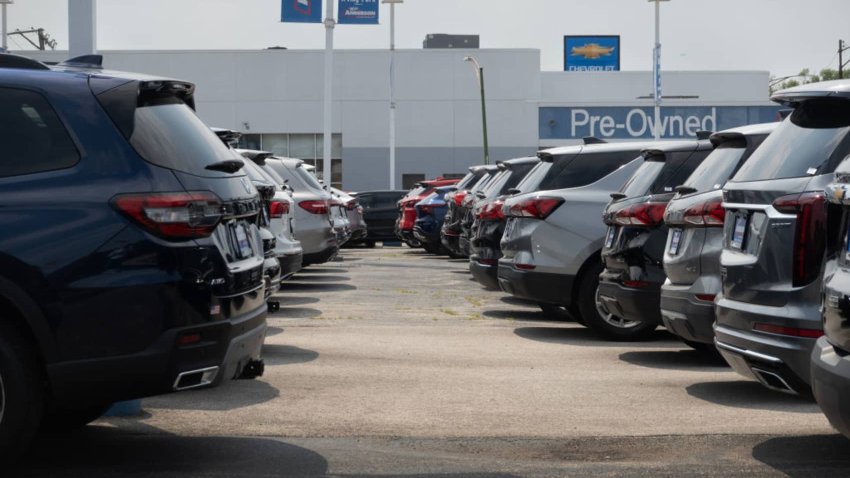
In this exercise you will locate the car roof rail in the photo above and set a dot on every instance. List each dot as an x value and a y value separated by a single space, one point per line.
84 61
8 60
593 140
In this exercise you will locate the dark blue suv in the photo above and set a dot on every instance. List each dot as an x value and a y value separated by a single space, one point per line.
130 258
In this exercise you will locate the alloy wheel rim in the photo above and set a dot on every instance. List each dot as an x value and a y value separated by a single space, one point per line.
610 318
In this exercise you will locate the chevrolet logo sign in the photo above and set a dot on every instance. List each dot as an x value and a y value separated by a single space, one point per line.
591 51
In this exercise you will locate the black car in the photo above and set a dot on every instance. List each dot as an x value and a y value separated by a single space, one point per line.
489 220
380 211
451 230
130 257
630 286
462 214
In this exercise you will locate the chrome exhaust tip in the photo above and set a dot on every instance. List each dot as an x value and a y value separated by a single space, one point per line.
773 381
195 378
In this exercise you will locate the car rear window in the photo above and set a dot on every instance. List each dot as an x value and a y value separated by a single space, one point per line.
531 180
812 141
172 136
467 180
518 173
33 138
307 177
658 177
719 166
379 200
583 169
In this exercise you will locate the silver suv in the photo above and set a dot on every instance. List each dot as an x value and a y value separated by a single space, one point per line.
695 238
554 234
768 312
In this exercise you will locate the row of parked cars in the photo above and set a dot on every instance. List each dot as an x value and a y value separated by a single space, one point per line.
735 241
139 249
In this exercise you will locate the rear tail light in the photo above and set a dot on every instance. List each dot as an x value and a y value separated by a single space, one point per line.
706 214
636 284
351 205
539 208
487 262
173 216
429 208
492 211
809 234
705 297
790 331
315 206
278 209
644 214
458 197
525 267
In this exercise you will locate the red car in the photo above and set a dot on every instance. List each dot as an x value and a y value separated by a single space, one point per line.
407 211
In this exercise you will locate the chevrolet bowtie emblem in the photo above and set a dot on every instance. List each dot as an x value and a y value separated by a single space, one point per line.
591 51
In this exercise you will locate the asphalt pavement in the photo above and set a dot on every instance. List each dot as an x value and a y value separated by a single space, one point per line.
392 362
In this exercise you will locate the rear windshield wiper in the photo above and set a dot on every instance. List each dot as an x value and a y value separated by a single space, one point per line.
617 196
226 166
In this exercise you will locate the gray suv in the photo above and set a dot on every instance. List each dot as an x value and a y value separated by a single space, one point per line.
554 234
695 238
768 312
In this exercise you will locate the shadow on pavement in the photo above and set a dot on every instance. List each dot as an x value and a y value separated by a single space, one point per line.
287 355
579 335
536 315
227 396
295 313
321 270
272 331
289 300
676 360
509 299
750 394
817 455
98 451
315 287
321 278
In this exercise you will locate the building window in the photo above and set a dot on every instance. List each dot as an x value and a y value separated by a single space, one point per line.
308 147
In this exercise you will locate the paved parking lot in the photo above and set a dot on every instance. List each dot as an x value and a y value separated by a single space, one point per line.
394 363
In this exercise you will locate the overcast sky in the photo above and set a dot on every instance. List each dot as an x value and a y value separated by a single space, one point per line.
781 36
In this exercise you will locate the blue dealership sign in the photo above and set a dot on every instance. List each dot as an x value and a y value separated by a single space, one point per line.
358 12
592 53
301 11
624 122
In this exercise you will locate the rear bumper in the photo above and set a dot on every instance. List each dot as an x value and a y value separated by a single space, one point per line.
536 286
831 384
226 347
427 236
686 316
486 274
451 242
640 305
320 257
290 264
789 357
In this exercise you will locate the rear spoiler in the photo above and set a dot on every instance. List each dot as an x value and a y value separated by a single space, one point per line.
546 157
653 155
739 139
258 157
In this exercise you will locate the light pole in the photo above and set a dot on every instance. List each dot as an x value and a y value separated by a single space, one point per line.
479 74
327 174
4 45
392 4
656 68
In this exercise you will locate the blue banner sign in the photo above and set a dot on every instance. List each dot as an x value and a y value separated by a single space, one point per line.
301 11
592 53
623 122
358 12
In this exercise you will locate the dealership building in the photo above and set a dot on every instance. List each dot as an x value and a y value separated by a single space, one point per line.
275 98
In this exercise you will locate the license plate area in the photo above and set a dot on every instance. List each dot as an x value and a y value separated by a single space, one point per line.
739 231
509 227
609 237
241 242
675 241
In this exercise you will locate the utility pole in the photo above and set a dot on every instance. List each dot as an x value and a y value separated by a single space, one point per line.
43 39
327 174
392 4
841 62
5 45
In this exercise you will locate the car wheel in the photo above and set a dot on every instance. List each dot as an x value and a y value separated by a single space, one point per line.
21 399
61 419
370 244
608 325
429 248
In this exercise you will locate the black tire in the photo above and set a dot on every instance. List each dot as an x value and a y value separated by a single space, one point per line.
430 248
21 393
607 326
370 244
62 420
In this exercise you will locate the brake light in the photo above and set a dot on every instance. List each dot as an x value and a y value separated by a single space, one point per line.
278 209
172 216
458 197
707 214
315 206
487 262
644 214
705 297
351 205
492 211
809 233
637 284
429 208
540 207
526 267
790 331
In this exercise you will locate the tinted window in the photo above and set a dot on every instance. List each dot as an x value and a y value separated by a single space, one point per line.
273 174
531 180
496 183
467 180
482 183
813 140
32 137
716 169
584 169
642 179
172 136
518 173
379 200
308 178
678 168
